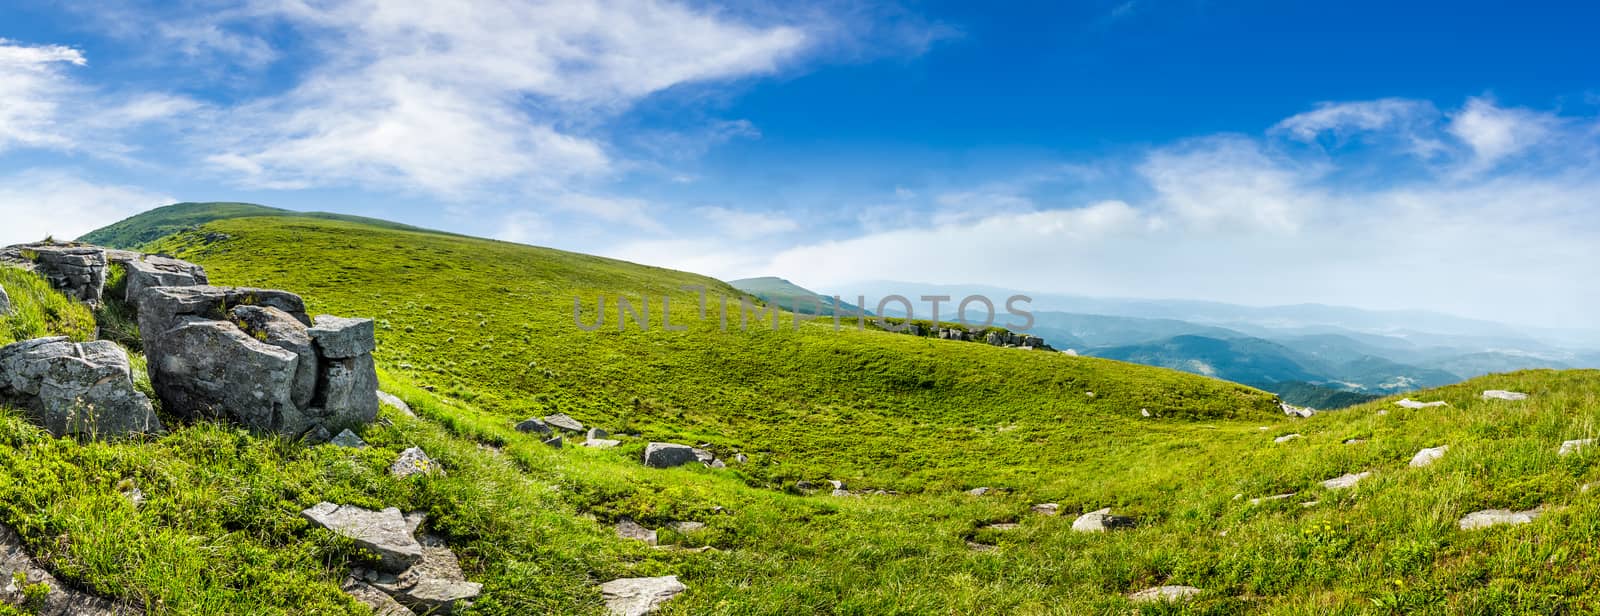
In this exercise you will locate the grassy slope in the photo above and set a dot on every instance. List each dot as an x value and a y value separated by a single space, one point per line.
164 221
794 297
516 513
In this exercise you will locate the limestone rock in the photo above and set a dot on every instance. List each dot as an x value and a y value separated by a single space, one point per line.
61 600
629 529
69 388
348 439
687 527
1296 411
1257 501
1493 517
535 425
382 532
601 443
595 433
342 338
1413 404
348 391
1501 394
554 441
435 585
1047 509
1428 456
1164 594
564 422
277 328
380 602
394 401
77 271
639 596
143 271
413 462
1347 480
1100 521
211 369
1571 447
1286 438
978 491
668 455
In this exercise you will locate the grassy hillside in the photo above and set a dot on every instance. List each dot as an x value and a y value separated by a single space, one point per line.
794 297
477 334
167 220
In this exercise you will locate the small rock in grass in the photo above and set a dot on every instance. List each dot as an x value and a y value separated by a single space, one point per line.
1100 521
349 439
1494 517
414 461
1355 441
629 529
687 527
980 547
978 491
564 421
380 602
1047 508
1428 456
1501 394
1345 481
1003 526
667 455
595 433
1257 501
382 532
1164 594
601 443
639 596
1572 447
1286 438
535 425
554 441
396 402
1413 404
741 458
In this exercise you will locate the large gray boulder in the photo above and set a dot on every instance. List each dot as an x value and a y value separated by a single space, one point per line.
564 422
61 600
77 271
342 338
382 532
81 389
639 596
161 307
277 328
668 455
348 391
142 271
212 369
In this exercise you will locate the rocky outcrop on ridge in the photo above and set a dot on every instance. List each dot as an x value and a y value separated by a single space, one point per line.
77 270
79 389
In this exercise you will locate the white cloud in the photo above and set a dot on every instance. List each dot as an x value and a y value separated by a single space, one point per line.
33 88
1344 119
1495 133
448 97
39 203
746 225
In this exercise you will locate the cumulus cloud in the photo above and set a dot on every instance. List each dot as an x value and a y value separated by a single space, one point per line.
1495 133
40 203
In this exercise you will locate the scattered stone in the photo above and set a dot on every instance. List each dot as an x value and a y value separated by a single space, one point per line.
380 602
704 456
717 464
629 529
413 462
741 458
1572 447
1501 394
1100 521
978 491
394 401
78 389
1164 594
564 422
805 486
601 443
554 441
60 600
688 527
435 585
1428 456
1003 526
595 433
382 532
1296 411
1355 441
668 455
1492 517
1413 404
134 495
1310 503
841 492
981 547
1383 413
349 439
1345 481
1257 501
1144 412
1286 438
1047 508
837 485
639 596
535 425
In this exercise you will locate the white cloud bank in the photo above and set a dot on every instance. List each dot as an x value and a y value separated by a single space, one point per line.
36 204
1498 222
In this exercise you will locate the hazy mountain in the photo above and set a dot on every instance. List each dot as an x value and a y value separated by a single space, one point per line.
793 297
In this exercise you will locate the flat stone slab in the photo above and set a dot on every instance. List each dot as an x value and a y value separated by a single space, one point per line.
629 529
1413 404
639 596
1348 480
394 401
1428 456
1286 438
1257 501
1501 394
601 443
1571 447
564 422
380 602
1496 517
1047 509
1164 594
383 532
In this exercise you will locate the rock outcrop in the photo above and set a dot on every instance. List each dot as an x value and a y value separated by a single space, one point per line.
59 600
629 529
253 356
1571 447
81 389
77 270
564 422
639 596
1496 517
435 585
1428 456
384 533
414 462
142 271
1296 411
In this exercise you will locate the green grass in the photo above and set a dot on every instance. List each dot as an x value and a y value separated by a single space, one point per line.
487 326
38 311
167 220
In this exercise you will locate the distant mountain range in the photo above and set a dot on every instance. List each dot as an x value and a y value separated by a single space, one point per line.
793 297
1309 354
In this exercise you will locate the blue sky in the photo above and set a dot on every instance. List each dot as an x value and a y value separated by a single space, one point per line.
1439 156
